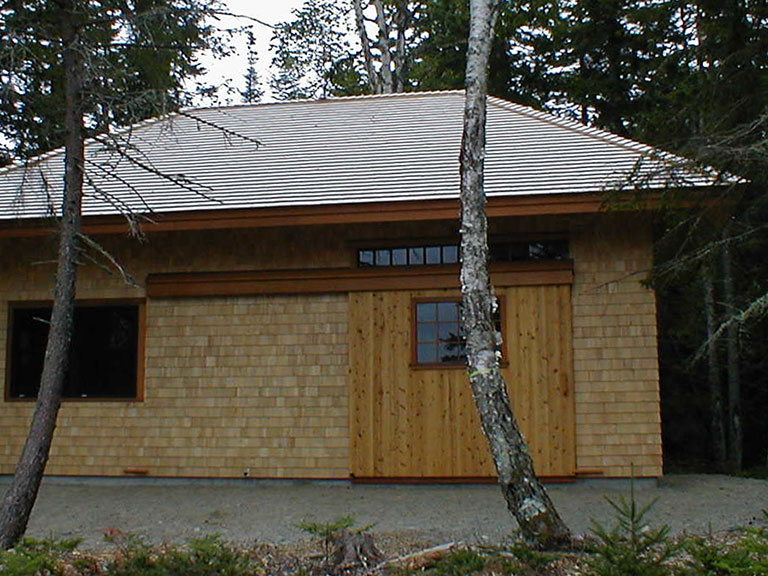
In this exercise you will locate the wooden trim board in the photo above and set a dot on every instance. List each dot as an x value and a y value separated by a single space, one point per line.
328 280
369 212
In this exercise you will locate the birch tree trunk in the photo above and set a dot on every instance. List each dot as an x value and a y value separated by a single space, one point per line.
20 498
386 60
365 42
387 82
526 497
716 425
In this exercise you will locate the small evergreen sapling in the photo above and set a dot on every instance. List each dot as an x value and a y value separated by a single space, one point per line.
632 547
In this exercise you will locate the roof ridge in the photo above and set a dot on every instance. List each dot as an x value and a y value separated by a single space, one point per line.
573 125
330 99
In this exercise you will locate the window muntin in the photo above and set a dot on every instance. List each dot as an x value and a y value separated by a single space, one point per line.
103 357
438 333
427 255
436 254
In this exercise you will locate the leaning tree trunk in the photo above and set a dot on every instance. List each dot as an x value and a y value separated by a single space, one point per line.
716 425
526 497
20 498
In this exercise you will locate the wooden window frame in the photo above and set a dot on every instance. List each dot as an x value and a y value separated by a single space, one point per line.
91 303
374 245
416 365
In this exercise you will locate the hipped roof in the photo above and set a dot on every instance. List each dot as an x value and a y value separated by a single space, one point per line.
401 147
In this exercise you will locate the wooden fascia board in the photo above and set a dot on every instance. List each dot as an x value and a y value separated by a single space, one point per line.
330 280
364 213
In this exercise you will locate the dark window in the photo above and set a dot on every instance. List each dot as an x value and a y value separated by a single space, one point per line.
439 337
538 250
409 256
103 358
450 253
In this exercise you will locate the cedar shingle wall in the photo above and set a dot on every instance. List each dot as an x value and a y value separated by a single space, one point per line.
253 384
233 385
615 350
260 384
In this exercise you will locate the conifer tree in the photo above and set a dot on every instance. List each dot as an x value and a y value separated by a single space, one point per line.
71 68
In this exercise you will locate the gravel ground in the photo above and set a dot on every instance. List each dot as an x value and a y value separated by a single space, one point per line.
267 511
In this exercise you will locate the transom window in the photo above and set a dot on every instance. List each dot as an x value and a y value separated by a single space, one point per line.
450 253
438 336
409 256
103 357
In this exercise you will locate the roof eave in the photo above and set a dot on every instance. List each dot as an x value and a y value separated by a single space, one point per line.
360 213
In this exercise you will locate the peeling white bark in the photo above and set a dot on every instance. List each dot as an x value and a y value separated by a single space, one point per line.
370 68
387 84
526 498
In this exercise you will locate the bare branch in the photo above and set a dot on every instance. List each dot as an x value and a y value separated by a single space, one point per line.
91 243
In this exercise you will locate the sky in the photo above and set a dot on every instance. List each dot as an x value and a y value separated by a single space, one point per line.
230 71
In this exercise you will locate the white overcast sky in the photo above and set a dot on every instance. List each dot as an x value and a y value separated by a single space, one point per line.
230 71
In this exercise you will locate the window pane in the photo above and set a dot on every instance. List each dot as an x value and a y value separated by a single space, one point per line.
450 254
427 332
400 256
433 254
28 339
448 311
383 257
103 357
426 312
427 354
448 331
416 256
104 352
365 258
450 352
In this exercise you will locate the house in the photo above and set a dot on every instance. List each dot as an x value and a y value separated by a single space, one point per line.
295 313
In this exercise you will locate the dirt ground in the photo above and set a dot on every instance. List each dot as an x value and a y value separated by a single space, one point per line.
268 511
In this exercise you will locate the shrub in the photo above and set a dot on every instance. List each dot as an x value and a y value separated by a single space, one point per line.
746 556
459 563
632 547
32 557
207 556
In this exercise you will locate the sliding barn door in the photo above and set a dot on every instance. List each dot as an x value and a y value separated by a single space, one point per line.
408 421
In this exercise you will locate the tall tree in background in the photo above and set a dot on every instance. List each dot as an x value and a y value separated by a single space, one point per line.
718 116
252 92
525 495
70 68
387 56
313 58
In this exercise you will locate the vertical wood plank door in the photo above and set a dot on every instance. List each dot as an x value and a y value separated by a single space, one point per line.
413 422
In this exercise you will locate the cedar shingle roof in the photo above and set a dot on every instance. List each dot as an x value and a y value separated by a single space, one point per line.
342 150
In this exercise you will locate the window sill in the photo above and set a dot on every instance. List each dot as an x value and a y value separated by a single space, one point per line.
448 366
30 400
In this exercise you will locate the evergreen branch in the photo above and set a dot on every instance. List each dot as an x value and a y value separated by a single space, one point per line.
242 16
756 308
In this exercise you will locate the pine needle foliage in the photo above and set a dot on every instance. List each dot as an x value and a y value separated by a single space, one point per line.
632 547
747 556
